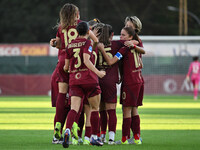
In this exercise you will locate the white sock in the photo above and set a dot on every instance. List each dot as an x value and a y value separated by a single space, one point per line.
111 135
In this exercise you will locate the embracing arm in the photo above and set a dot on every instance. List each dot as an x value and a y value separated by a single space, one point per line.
137 48
109 60
88 63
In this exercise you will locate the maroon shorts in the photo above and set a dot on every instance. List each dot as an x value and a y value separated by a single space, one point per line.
109 91
132 95
62 76
87 90
54 88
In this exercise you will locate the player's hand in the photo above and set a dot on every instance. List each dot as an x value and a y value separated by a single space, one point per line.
53 42
65 68
101 74
100 46
188 79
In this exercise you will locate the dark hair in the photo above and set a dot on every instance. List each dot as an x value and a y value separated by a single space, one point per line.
131 32
82 28
195 58
105 34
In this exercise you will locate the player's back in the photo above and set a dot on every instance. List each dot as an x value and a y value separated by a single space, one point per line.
79 73
195 68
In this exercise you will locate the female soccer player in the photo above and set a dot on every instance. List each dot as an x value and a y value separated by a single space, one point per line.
132 81
135 23
194 70
69 17
80 62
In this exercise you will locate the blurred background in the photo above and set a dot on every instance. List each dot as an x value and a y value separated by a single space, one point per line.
170 35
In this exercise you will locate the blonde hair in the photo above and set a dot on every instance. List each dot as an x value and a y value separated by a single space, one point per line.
68 15
136 21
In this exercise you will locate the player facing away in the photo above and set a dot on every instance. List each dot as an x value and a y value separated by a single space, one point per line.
69 17
83 81
194 71
132 87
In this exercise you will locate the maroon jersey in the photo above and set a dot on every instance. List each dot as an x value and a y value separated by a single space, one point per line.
111 71
66 36
79 73
131 66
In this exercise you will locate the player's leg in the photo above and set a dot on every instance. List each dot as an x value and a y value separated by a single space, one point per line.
94 119
135 124
112 121
196 87
126 124
87 112
75 106
60 107
103 122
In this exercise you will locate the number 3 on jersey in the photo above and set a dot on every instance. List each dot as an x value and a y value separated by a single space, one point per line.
76 55
70 35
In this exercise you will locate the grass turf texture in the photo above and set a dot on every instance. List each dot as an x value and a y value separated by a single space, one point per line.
167 123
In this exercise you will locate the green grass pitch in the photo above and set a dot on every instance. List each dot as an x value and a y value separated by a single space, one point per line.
167 123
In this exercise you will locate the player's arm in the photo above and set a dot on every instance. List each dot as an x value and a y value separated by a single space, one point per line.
94 38
88 63
108 59
137 48
55 42
189 71
66 66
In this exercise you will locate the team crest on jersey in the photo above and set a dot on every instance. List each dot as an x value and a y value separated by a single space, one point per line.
78 76
124 95
90 49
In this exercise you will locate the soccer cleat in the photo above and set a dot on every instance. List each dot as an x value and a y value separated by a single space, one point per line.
138 142
80 140
111 142
125 142
86 142
74 130
66 139
96 142
74 141
55 140
103 140
57 133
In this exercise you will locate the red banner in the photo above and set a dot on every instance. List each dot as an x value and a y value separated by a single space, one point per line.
25 84
40 85
24 49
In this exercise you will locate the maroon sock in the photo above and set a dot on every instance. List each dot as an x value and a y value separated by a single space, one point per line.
79 113
112 123
60 106
103 121
54 123
81 124
135 126
88 131
70 118
94 119
126 127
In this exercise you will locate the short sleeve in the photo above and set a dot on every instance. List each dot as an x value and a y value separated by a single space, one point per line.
88 47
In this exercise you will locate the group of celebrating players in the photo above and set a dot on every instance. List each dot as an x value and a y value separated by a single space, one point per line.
84 80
